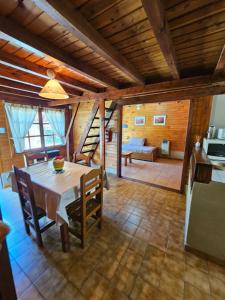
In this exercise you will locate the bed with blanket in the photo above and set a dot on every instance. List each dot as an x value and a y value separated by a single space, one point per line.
139 150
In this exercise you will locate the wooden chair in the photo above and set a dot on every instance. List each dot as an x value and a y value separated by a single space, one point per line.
31 213
86 211
80 158
33 158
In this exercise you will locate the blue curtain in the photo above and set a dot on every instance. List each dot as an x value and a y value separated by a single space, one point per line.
20 118
56 119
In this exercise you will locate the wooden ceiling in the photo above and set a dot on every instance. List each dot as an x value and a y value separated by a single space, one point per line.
98 46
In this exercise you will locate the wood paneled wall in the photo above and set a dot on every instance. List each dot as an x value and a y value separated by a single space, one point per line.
5 150
7 155
110 147
80 121
176 112
201 110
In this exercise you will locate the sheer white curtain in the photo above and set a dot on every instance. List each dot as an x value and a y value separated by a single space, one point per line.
20 118
56 118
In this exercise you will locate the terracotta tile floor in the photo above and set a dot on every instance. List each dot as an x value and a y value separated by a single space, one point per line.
164 172
138 254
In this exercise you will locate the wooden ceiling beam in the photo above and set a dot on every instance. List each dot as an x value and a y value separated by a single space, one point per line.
14 98
161 88
188 94
157 18
23 77
18 85
22 93
33 69
220 66
13 32
72 20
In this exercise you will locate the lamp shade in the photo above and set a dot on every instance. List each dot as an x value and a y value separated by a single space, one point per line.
53 90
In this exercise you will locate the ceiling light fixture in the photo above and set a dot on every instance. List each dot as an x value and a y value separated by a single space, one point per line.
53 89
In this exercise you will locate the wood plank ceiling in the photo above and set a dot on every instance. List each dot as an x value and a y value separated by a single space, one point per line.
102 45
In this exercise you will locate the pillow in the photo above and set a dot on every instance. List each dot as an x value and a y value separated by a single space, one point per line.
137 141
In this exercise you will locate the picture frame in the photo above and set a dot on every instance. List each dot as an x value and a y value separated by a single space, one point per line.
139 121
159 120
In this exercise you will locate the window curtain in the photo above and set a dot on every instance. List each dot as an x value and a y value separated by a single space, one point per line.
56 118
20 118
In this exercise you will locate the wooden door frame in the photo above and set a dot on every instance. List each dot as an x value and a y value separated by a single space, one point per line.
186 151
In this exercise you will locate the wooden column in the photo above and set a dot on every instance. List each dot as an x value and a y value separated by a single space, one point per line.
119 138
102 131
70 117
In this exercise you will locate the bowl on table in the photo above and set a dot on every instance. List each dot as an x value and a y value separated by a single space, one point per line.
58 164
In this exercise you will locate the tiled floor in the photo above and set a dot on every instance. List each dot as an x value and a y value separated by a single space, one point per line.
138 254
163 172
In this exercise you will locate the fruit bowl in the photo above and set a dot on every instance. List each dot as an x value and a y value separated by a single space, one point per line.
58 163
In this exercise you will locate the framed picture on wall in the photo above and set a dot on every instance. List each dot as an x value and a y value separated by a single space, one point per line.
140 121
159 120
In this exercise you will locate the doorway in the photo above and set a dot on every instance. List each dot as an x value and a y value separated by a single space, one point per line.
154 143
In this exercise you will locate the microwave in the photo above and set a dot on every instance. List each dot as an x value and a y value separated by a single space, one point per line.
214 148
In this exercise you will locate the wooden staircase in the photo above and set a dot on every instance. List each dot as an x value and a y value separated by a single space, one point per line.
90 138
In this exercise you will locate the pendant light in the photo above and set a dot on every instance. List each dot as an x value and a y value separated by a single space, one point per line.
53 89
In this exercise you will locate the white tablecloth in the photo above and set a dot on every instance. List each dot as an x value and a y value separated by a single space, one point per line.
53 192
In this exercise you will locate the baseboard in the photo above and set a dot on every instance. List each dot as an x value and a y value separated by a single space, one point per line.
204 255
177 154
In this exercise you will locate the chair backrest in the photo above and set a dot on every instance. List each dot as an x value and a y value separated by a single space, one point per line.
91 185
81 158
35 157
25 190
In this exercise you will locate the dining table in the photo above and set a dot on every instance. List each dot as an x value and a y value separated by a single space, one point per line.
53 191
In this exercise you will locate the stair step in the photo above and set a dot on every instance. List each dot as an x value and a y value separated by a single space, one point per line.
108 109
86 151
93 135
97 118
89 144
95 127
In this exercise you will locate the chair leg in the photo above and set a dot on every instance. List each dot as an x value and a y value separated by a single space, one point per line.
100 224
99 216
82 242
64 230
39 239
27 227
38 233
83 234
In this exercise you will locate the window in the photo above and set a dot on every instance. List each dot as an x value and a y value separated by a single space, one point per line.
33 138
41 134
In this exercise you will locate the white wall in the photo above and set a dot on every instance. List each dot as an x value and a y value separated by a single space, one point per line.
218 111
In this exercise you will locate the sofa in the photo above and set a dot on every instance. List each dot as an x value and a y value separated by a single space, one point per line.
139 149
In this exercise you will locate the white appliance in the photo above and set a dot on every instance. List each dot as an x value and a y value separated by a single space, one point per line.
214 148
165 147
221 134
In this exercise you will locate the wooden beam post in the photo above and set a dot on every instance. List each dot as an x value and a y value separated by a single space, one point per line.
69 134
119 138
220 66
157 17
102 132
168 90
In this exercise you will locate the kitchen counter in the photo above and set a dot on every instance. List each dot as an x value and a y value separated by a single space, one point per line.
205 209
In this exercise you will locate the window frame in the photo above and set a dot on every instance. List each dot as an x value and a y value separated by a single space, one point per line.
42 135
